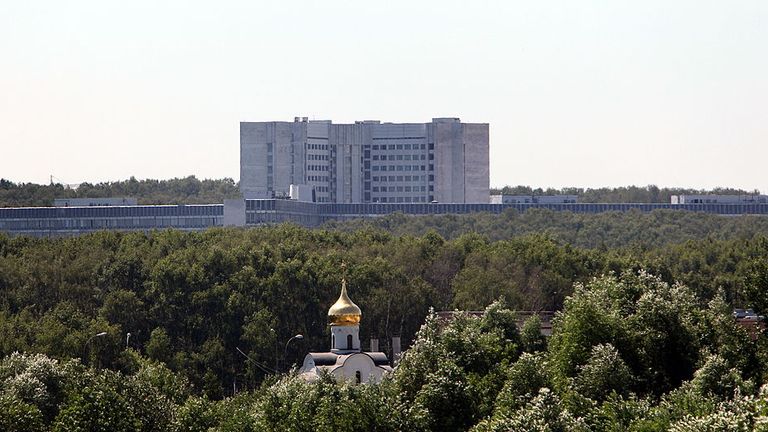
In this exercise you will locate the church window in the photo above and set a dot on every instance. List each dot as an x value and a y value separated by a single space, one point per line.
358 378
349 342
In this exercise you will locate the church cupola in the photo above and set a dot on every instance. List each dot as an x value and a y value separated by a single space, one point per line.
344 317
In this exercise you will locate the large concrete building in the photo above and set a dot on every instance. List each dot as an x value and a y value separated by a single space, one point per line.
366 162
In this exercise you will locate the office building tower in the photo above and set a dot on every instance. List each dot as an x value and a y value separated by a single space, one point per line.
366 162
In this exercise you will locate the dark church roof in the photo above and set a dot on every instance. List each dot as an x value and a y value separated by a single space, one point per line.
331 359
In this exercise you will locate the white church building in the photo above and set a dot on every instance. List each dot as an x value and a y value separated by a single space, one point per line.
345 360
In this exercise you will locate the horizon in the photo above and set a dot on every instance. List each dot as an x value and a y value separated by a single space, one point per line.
594 94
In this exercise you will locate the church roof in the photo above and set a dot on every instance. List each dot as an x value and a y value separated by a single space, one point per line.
332 359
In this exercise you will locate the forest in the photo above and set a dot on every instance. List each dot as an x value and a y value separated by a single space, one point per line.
643 338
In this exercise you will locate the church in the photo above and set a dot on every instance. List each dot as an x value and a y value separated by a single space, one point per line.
345 360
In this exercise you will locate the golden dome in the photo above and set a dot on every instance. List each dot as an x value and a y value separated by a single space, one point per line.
344 311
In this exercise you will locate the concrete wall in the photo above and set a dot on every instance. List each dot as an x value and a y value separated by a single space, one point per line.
476 163
234 212
286 140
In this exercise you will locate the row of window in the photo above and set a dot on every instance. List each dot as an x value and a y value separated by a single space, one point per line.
101 223
403 157
113 211
321 157
417 199
402 188
402 167
332 210
407 178
317 146
317 167
431 146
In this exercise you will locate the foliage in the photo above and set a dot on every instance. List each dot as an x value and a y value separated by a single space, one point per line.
643 339
607 230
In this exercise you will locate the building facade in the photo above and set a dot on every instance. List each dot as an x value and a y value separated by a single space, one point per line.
65 221
366 162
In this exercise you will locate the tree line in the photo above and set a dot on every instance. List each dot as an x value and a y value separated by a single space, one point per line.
622 194
190 190
186 190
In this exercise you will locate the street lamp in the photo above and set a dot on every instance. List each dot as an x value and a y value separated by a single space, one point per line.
127 339
285 352
100 334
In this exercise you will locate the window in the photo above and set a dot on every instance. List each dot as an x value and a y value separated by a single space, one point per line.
349 342
358 378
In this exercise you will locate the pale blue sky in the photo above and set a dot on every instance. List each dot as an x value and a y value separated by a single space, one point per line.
577 93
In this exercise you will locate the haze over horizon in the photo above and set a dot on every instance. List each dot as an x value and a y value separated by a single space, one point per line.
586 94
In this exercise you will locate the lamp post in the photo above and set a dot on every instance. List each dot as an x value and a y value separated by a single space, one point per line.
87 343
127 339
285 351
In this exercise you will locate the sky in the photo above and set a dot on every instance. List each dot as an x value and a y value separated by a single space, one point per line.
577 93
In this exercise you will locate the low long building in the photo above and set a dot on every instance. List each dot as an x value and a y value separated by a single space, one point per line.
719 199
62 221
